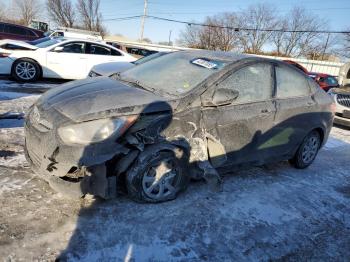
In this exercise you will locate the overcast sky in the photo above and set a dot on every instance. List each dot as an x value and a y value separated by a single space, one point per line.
336 11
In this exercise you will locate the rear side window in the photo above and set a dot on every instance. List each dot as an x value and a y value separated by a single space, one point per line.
99 50
116 53
331 80
290 83
253 82
2 26
16 30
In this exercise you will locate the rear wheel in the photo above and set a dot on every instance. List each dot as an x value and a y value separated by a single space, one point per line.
25 70
157 177
307 151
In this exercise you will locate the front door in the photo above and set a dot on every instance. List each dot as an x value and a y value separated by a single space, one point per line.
240 126
68 63
100 54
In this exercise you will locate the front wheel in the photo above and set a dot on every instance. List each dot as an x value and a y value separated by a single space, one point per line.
307 151
158 176
25 70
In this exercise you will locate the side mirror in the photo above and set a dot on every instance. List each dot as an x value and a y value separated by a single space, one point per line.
224 96
58 49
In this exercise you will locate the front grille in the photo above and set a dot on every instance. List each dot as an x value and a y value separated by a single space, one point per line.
343 100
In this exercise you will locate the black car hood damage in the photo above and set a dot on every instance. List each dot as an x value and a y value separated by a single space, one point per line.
90 99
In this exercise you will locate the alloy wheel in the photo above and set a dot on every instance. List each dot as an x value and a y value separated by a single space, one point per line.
158 181
310 149
25 70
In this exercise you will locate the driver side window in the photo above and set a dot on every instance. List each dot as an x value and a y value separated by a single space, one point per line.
75 47
253 82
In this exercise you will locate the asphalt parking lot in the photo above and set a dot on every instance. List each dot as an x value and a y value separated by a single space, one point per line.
265 213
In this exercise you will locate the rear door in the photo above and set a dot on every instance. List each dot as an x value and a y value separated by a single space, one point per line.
100 54
296 110
239 126
69 63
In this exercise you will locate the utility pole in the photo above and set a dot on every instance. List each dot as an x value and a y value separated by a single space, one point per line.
143 20
169 37
325 47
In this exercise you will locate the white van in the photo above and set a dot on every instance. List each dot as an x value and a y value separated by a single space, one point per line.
75 33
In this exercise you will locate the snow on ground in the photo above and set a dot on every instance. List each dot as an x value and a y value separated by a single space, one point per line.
267 213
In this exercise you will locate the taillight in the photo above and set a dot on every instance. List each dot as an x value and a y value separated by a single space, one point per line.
4 55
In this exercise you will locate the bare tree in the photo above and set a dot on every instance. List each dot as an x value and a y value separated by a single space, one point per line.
218 34
297 42
190 36
257 17
91 17
346 49
27 10
61 12
2 11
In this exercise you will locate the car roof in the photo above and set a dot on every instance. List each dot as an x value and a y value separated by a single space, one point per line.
70 39
22 26
219 55
234 57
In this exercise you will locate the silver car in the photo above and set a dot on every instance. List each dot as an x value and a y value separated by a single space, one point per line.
342 100
107 69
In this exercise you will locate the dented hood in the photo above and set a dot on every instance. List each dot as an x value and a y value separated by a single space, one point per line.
99 97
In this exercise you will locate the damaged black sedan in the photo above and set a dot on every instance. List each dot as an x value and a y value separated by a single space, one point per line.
187 115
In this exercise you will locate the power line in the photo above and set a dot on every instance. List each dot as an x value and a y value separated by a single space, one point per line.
248 29
237 29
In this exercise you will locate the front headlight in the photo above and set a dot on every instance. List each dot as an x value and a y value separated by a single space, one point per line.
95 131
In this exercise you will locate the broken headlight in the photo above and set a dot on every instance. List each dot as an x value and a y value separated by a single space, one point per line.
95 131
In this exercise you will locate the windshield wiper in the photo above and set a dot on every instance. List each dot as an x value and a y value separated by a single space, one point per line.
136 83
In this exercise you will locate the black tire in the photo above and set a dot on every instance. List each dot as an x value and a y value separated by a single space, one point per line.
167 162
307 151
25 70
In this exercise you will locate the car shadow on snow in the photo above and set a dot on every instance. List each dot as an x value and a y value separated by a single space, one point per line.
194 226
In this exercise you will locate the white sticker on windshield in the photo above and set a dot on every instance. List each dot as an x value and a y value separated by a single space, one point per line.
204 63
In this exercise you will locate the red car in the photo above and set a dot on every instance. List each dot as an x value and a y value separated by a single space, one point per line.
325 81
18 32
299 66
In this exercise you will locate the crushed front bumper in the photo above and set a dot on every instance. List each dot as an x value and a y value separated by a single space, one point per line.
53 161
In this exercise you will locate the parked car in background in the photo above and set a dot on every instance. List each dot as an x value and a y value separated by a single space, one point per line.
148 130
297 65
19 32
75 33
344 75
108 69
56 58
341 97
325 81
135 51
